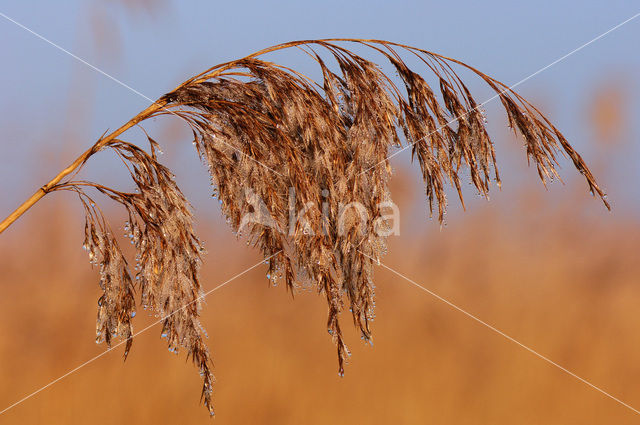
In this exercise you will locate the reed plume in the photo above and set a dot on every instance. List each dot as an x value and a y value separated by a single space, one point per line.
275 141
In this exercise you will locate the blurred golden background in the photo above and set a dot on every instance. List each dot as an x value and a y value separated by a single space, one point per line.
551 269
562 281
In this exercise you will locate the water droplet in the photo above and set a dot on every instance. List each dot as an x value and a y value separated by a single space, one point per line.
133 314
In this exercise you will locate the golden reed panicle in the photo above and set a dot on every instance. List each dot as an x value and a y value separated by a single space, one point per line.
266 128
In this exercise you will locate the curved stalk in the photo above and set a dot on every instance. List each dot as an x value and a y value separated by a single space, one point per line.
40 193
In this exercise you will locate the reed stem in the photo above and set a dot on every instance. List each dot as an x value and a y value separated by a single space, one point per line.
40 193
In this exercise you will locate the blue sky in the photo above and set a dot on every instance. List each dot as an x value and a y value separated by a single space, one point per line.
508 40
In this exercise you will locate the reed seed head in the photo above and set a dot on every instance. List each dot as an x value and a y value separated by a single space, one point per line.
274 142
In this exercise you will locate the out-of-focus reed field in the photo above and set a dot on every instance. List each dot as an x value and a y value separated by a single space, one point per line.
552 269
